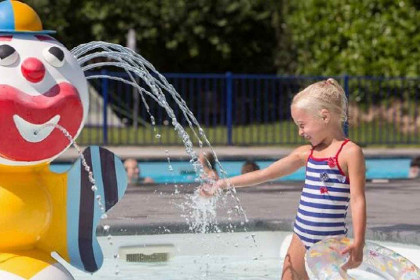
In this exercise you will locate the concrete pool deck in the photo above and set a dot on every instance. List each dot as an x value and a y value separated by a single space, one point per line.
393 208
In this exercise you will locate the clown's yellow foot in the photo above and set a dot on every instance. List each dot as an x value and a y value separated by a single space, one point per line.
33 265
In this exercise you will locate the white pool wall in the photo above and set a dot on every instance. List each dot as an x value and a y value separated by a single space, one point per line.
264 256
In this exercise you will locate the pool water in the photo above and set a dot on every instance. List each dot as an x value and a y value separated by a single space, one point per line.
183 172
225 256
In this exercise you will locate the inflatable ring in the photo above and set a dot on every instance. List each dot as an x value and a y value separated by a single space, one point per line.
324 260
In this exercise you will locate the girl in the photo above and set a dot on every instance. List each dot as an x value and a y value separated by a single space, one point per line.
335 175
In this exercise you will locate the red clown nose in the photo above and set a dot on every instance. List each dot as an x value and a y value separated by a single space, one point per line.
33 70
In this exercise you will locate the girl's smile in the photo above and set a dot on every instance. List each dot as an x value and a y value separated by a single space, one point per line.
310 127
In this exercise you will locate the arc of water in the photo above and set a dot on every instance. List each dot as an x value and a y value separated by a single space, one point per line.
82 157
156 93
141 68
135 65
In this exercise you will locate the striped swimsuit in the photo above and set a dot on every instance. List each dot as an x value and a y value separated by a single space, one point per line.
324 200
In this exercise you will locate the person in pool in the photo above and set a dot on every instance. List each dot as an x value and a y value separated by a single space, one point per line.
335 176
414 171
133 173
208 161
249 166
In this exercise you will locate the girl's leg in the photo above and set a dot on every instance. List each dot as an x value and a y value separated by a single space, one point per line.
294 261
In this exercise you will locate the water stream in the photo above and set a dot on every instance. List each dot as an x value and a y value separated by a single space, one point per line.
199 212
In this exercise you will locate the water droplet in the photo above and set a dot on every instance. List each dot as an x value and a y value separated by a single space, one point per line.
158 136
106 227
202 213
94 188
104 216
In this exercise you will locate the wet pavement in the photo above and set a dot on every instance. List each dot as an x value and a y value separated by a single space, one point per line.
393 210
393 207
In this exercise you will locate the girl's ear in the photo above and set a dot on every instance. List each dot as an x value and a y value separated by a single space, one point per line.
325 116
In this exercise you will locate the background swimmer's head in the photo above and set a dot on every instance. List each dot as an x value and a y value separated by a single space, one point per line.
208 160
328 95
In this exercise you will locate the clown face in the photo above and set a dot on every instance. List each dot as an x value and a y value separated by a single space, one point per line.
41 85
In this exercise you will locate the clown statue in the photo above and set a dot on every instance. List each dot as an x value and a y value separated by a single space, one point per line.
42 89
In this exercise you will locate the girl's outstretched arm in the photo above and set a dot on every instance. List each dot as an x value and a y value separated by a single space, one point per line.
282 167
356 170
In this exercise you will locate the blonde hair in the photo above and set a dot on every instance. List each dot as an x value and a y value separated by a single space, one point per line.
327 94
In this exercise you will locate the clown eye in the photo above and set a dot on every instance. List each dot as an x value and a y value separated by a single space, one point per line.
8 55
54 56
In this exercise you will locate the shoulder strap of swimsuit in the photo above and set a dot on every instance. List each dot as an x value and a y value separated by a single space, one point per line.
341 147
310 155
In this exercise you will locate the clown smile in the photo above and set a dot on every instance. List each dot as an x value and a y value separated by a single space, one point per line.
43 94
31 121
35 133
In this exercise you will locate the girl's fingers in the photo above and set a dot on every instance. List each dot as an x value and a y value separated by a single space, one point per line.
206 191
350 264
346 250
353 261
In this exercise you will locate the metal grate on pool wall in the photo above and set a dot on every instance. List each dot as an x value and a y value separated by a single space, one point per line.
155 257
146 252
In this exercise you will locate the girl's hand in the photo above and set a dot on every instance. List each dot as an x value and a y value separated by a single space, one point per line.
356 256
209 190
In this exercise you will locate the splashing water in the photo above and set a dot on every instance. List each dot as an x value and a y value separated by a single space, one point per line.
201 214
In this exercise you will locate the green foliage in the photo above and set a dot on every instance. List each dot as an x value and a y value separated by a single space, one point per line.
357 37
312 37
175 35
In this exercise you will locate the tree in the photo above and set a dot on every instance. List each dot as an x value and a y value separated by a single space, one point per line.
175 35
368 37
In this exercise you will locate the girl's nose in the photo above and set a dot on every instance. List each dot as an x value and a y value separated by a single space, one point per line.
33 70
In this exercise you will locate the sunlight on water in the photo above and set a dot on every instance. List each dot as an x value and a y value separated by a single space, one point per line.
229 256
199 212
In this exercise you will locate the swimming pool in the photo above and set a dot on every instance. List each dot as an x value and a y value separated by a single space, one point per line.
183 172
221 256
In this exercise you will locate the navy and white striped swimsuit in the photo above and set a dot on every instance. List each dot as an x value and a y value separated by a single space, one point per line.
324 200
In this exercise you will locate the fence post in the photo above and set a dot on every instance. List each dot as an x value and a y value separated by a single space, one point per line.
229 104
346 90
105 84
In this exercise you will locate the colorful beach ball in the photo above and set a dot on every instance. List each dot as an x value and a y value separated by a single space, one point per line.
17 17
